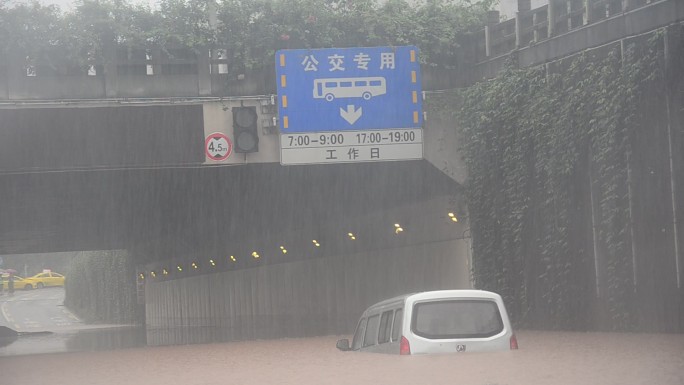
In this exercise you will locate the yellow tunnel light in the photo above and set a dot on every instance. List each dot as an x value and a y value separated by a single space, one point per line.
453 217
153 274
255 255
142 276
194 265
397 228
283 249
315 242
165 272
351 236
232 258
212 262
179 268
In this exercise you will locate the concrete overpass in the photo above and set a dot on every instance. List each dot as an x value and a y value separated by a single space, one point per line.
139 179
116 160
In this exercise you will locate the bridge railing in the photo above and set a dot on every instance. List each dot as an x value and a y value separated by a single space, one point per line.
533 25
133 72
127 72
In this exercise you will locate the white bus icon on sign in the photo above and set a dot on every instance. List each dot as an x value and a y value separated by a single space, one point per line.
365 88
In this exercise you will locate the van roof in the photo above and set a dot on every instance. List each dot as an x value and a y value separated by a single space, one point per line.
437 294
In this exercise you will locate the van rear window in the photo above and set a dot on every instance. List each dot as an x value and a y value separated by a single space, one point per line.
456 319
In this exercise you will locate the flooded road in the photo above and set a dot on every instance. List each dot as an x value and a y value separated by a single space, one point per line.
37 310
544 358
47 326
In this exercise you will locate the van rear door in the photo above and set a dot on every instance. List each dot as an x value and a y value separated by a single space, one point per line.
458 325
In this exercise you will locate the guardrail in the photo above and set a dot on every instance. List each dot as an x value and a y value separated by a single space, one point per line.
534 25
128 72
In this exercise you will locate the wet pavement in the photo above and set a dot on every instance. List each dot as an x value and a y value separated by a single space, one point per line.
544 358
37 310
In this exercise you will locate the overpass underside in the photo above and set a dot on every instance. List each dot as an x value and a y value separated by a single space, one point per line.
330 239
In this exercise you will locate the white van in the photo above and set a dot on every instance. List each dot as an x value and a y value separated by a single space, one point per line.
442 321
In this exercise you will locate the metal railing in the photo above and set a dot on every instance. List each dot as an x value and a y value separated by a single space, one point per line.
533 25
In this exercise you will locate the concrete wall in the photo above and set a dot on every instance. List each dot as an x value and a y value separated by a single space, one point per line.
304 298
70 136
442 144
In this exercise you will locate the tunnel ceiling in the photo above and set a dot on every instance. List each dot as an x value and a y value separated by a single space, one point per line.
203 207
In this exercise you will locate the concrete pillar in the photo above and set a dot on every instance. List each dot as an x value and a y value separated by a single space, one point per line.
630 193
111 74
518 29
594 228
203 73
588 7
524 5
628 5
551 17
492 19
16 72
669 45
155 59
5 71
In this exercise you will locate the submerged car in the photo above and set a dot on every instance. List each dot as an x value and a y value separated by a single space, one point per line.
45 279
442 321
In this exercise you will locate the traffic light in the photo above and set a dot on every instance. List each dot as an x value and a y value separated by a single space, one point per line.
245 134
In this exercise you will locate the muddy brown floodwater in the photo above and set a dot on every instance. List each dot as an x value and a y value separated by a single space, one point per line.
544 358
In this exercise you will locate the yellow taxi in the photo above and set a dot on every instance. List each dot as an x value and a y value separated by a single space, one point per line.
44 279
18 282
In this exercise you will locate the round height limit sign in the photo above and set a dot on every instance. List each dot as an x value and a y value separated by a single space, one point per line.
218 147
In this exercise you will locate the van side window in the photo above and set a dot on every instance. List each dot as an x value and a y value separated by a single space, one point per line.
385 327
396 325
371 331
358 336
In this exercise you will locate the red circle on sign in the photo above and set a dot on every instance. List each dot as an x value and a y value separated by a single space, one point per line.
218 147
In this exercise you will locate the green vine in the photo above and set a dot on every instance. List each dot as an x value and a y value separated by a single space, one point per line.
541 144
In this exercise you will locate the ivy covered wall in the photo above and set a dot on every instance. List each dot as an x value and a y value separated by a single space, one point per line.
576 186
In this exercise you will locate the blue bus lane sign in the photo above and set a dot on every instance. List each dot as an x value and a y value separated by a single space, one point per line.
338 105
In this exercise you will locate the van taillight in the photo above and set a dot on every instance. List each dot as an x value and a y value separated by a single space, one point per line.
514 343
404 347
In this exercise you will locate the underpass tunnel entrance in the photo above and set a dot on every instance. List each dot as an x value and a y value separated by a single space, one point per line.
277 251
308 259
